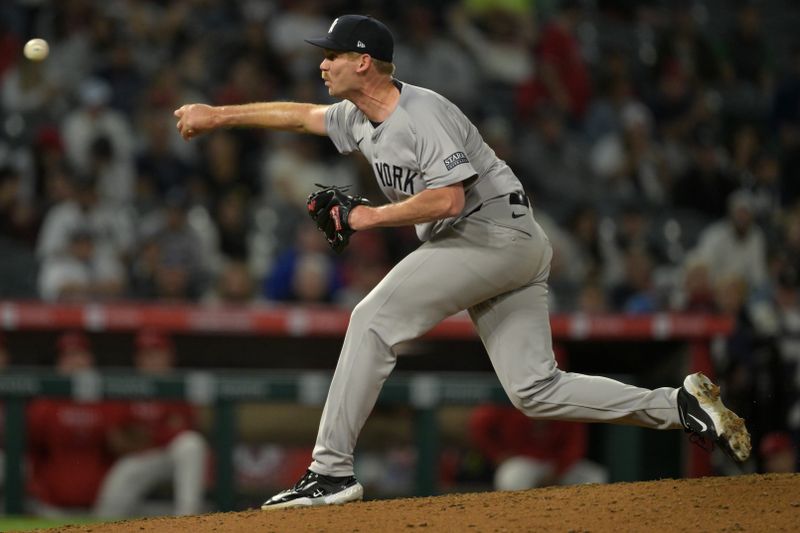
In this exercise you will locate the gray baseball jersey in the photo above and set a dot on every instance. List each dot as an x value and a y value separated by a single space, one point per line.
426 143
493 260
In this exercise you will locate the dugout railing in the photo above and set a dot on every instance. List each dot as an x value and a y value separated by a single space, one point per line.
224 389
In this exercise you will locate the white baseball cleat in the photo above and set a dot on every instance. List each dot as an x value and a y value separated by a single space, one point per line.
702 413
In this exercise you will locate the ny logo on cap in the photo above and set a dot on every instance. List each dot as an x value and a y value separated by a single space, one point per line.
361 45
332 25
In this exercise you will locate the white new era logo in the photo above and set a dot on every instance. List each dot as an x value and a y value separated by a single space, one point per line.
332 25
359 44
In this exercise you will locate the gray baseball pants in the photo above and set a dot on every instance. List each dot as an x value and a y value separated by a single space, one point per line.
496 267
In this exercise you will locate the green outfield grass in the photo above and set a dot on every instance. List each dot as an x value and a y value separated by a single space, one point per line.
24 523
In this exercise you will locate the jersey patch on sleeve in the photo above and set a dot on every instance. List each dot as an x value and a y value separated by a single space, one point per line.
453 160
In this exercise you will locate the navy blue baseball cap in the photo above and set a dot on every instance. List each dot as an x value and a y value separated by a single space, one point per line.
358 33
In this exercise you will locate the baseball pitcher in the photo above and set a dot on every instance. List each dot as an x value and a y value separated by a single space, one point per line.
482 251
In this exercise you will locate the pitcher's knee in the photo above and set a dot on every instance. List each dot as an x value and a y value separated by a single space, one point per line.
524 396
368 318
368 310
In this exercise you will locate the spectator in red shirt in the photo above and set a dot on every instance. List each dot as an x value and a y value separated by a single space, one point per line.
562 74
71 444
167 445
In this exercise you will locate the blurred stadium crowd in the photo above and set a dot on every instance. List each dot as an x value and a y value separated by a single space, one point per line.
659 141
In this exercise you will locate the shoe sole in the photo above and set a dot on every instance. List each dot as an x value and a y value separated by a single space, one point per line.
350 494
731 431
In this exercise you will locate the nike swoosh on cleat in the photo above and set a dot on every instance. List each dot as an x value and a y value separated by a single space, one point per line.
702 424
307 486
517 215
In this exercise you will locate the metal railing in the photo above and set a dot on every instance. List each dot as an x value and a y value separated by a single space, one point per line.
223 390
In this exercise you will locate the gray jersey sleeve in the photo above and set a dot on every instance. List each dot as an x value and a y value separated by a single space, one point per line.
441 144
339 121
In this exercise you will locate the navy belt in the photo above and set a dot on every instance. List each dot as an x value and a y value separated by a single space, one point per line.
514 198
519 198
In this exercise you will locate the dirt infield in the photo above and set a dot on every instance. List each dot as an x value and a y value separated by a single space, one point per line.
755 503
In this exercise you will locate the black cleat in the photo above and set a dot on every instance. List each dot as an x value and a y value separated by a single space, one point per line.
703 414
317 489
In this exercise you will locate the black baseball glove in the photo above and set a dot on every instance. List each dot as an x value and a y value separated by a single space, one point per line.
330 208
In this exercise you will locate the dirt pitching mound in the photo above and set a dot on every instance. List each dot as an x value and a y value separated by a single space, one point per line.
755 503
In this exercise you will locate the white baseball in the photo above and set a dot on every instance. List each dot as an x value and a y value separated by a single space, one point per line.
36 49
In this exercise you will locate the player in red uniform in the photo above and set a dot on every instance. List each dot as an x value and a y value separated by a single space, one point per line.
165 443
530 452
5 360
71 444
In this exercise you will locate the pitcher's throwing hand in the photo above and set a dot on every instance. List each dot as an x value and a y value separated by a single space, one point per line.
194 119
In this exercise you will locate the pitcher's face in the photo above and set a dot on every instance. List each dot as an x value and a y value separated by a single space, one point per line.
339 70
